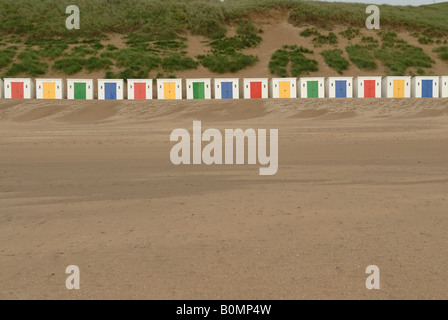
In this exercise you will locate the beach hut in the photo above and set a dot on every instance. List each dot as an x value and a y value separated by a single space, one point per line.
110 89
443 87
339 87
139 89
227 88
425 87
50 89
283 88
79 89
367 87
312 87
1 88
199 88
169 89
18 88
255 88
396 87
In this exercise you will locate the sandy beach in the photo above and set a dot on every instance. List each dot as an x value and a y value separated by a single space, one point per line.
360 182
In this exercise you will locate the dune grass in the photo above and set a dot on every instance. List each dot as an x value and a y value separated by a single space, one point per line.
165 19
226 53
292 56
362 57
335 60
442 53
399 56
156 28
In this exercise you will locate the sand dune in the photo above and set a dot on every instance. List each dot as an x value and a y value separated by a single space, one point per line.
360 182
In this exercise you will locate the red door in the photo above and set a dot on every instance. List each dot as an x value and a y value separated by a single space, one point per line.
369 89
17 90
140 91
255 90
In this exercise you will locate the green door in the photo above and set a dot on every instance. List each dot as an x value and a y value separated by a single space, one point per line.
80 91
313 89
198 90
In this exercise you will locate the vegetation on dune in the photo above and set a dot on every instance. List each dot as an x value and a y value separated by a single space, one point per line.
156 32
28 63
335 60
165 19
398 56
226 55
7 55
362 57
319 39
442 53
294 57
350 33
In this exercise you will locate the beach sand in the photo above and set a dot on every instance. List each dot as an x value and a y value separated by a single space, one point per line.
91 184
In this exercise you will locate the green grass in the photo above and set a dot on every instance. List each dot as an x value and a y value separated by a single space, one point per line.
247 37
350 33
221 63
83 50
69 65
442 53
75 63
29 63
157 30
335 60
226 55
362 57
203 17
294 57
7 55
320 39
399 56
424 40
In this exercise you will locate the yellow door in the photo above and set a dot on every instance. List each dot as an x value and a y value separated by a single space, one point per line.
285 89
49 90
169 90
399 88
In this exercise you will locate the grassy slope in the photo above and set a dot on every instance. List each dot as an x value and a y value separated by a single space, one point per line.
169 19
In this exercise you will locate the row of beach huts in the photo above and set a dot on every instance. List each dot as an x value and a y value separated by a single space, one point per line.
227 88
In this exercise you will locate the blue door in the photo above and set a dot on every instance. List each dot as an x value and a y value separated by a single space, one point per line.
227 90
427 89
110 91
341 89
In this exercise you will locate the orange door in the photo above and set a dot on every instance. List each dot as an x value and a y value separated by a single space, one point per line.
285 89
49 89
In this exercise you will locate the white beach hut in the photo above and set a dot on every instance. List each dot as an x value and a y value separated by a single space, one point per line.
199 88
140 89
227 88
1 89
396 87
169 89
425 87
283 88
312 87
80 89
50 89
339 87
367 87
18 88
110 89
443 87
